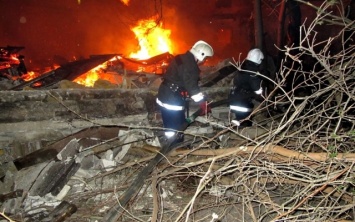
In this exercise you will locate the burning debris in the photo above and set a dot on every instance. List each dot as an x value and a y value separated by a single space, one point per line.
69 72
291 164
37 186
151 58
152 38
113 68
12 64
117 70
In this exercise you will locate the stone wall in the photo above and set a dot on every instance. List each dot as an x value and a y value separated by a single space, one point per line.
32 119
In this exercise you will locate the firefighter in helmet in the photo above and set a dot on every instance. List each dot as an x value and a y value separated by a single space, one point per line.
246 87
180 82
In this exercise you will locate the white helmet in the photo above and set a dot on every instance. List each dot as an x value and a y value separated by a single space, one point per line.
255 55
201 50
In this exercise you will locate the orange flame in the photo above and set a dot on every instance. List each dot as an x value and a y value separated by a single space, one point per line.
125 2
30 75
99 72
152 38
89 78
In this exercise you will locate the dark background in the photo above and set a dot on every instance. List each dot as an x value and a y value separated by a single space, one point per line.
53 31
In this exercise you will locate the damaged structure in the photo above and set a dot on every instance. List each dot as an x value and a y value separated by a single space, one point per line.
54 133
74 153
12 63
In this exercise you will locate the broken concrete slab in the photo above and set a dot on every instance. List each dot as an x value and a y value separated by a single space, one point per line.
99 133
90 162
45 116
86 174
53 178
8 173
108 165
198 130
69 151
27 176
222 112
37 207
11 206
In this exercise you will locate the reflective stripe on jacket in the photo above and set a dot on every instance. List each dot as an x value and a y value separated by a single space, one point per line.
169 106
246 86
240 108
185 73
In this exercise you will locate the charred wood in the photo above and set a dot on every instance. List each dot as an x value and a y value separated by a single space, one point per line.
69 71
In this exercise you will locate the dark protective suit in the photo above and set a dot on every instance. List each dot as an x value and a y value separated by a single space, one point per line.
246 86
179 82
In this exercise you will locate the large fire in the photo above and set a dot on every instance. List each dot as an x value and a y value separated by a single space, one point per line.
153 40
103 72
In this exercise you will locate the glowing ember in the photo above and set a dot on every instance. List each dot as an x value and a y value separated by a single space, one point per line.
30 75
99 72
152 38
88 79
125 2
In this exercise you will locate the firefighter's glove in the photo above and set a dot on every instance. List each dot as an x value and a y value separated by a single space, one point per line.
205 108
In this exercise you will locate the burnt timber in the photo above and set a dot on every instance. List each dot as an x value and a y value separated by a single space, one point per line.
69 72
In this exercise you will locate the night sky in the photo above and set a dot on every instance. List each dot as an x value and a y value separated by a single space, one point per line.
53 30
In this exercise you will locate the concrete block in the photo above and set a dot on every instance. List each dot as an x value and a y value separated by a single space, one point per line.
108 164
26 176
90 162
69 151
53 178
220 112
199 130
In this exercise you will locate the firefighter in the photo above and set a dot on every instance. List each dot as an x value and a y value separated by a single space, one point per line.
246 87
180 83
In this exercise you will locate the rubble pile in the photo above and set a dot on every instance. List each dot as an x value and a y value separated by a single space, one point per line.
38 191
59 180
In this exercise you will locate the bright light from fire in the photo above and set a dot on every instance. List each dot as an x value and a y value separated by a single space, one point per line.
89 78
99 72
30 75
125 2
152 38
